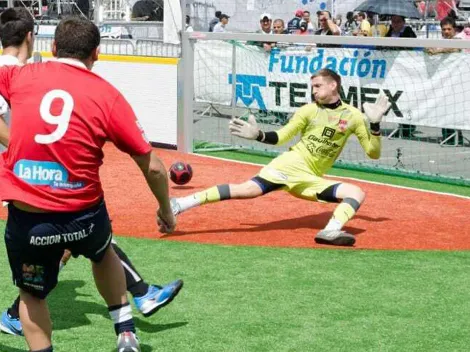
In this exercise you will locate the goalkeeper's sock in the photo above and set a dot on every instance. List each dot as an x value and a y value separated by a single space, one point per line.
343 213
210 195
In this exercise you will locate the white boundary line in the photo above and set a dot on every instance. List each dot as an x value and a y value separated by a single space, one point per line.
346 178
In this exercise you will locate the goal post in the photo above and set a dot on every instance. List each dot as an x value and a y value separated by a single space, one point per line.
425 133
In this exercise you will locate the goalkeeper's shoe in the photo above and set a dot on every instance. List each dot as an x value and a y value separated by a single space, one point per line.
127 342
10 325
157 297
335 238
175 206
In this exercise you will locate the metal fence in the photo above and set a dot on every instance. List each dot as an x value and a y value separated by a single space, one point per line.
139 47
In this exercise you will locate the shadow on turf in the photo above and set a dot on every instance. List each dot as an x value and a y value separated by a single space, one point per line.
147 326
69 310
314 222
4 348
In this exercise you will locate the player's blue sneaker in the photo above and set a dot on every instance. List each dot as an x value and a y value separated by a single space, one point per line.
157 297
11 325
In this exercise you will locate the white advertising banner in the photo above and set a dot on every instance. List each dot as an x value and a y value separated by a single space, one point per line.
426 90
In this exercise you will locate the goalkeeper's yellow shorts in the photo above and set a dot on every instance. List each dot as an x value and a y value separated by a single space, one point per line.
290 170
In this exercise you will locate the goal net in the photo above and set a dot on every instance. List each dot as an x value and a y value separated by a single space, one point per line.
425 133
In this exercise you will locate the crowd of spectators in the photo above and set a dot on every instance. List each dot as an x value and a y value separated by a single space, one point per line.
359 24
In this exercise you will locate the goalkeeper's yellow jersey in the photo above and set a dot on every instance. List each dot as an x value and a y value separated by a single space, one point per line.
324 133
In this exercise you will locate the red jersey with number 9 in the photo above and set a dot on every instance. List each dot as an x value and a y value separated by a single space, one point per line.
61 116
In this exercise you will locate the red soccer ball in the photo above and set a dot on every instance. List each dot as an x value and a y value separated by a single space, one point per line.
181 173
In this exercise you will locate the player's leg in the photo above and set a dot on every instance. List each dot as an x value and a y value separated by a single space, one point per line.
269 179
34 263
245 190
147 298
10 320
350 198
107 271
36 322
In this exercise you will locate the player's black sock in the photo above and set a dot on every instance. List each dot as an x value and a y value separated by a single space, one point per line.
14 310
135 284
138 289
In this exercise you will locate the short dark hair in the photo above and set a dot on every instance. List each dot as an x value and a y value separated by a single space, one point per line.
307 11
448 20
15 24
76 38
218 14
330 74
224 16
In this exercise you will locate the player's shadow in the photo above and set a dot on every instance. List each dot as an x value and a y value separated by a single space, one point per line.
148 326
69 308
4 348
311 222
182 187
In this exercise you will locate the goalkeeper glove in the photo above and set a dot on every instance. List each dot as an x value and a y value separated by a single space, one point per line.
244 129
376 111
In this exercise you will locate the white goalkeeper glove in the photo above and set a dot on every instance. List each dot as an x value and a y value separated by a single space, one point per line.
244 129
376 111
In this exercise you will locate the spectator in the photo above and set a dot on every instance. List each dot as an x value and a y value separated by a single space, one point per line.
294 24
351 25
364 25
215 20
189 28
327 26
378 29
220 27
338 20
146 10
310 27
398 29
265 22
279 26
303 29
448 29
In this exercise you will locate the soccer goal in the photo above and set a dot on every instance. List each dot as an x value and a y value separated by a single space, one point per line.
426 131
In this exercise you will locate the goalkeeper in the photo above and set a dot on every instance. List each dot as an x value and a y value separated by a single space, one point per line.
325 126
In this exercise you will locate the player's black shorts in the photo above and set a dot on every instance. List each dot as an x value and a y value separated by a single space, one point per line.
35 243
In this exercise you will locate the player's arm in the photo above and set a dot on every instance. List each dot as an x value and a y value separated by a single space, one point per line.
156 175
126 133
4 132
249 129
370 139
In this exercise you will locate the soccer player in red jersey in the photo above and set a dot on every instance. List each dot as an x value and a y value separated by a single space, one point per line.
16 32
50 177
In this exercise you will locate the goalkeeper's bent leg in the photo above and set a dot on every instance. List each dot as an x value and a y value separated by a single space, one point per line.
352 198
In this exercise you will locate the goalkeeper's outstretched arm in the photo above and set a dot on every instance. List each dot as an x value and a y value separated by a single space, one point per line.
249 129
370 142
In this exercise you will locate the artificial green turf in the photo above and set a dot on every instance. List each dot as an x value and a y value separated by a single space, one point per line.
272 299
375 177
